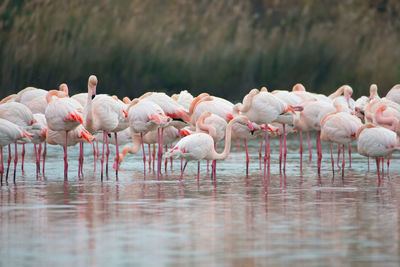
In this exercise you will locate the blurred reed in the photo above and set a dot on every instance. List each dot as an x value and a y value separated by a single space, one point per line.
225 47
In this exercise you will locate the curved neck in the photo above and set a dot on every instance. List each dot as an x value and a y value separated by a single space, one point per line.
227 148
195 101
389 120
337 93
247 102
204 127
131 149
50 95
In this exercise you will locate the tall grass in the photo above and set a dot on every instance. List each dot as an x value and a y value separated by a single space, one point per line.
224 47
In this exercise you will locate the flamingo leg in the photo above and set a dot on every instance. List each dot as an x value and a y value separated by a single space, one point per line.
280 152
158 153
82 157
97 149
309 146
247 157
23 158
36 158
144 154
260 151
333 162
182 171
66 156
39 154
378 169
117 155
107 154
383 167
338 155
94 156
79 161
172 161
319 151
368 163
343 162
44 156
349 155
266 153
154 156
198 171
149 157
301 149
284 148
102 154
388 163
214 164
15 160
208 166
1 166
180 137
166 160
8 162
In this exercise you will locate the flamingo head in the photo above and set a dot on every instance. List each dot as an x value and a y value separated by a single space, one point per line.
92 84
63 88
298 87
373 91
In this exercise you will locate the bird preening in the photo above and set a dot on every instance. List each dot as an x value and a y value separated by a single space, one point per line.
181 126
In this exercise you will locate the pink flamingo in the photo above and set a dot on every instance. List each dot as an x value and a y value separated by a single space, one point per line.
200 146
10 133
394 94
102 113
145 116
62 115
377 142
340 128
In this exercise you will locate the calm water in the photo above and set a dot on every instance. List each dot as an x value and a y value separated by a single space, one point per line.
292 219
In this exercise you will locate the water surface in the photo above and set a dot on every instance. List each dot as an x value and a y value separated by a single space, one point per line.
287 219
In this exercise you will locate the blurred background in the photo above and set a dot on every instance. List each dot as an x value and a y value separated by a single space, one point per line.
224 47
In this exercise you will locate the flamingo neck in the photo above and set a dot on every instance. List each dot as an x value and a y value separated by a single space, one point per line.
227 148
131 149
89 125
247 102
204 127
337 93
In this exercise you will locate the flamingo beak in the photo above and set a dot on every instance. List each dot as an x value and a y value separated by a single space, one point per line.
26 134
44 132
93 91
251 127
289 108
271 130
125 114
87 136
184 132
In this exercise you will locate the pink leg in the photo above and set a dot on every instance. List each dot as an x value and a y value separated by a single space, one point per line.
388 163
247 157
23 158
15 160
44 156
39 155
8 162
159 153
154 156
102 154
79 160
180 137
343 162
208 166
319 151
265 155
107 154
338 155
144 154
383 167
171 161
349 155
183 170
149 157
94 156
280 152
97 149
301 149
166 160
269 152
333 162
82 157
66 156
309 146
1 166
36 158
378 169
117 155
260 151
284 148
198 171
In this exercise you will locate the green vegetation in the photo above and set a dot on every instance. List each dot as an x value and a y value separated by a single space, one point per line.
225 47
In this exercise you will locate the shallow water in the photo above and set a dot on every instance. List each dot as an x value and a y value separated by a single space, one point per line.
297 218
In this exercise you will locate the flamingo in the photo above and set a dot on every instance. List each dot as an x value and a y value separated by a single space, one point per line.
62 115
145 116
10 133
394 94
377 142
201 146
39 103
102 113
29 93
205 102
39 137
19 114
341 128
184 98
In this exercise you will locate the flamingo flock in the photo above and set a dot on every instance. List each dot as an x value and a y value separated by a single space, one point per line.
189 128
